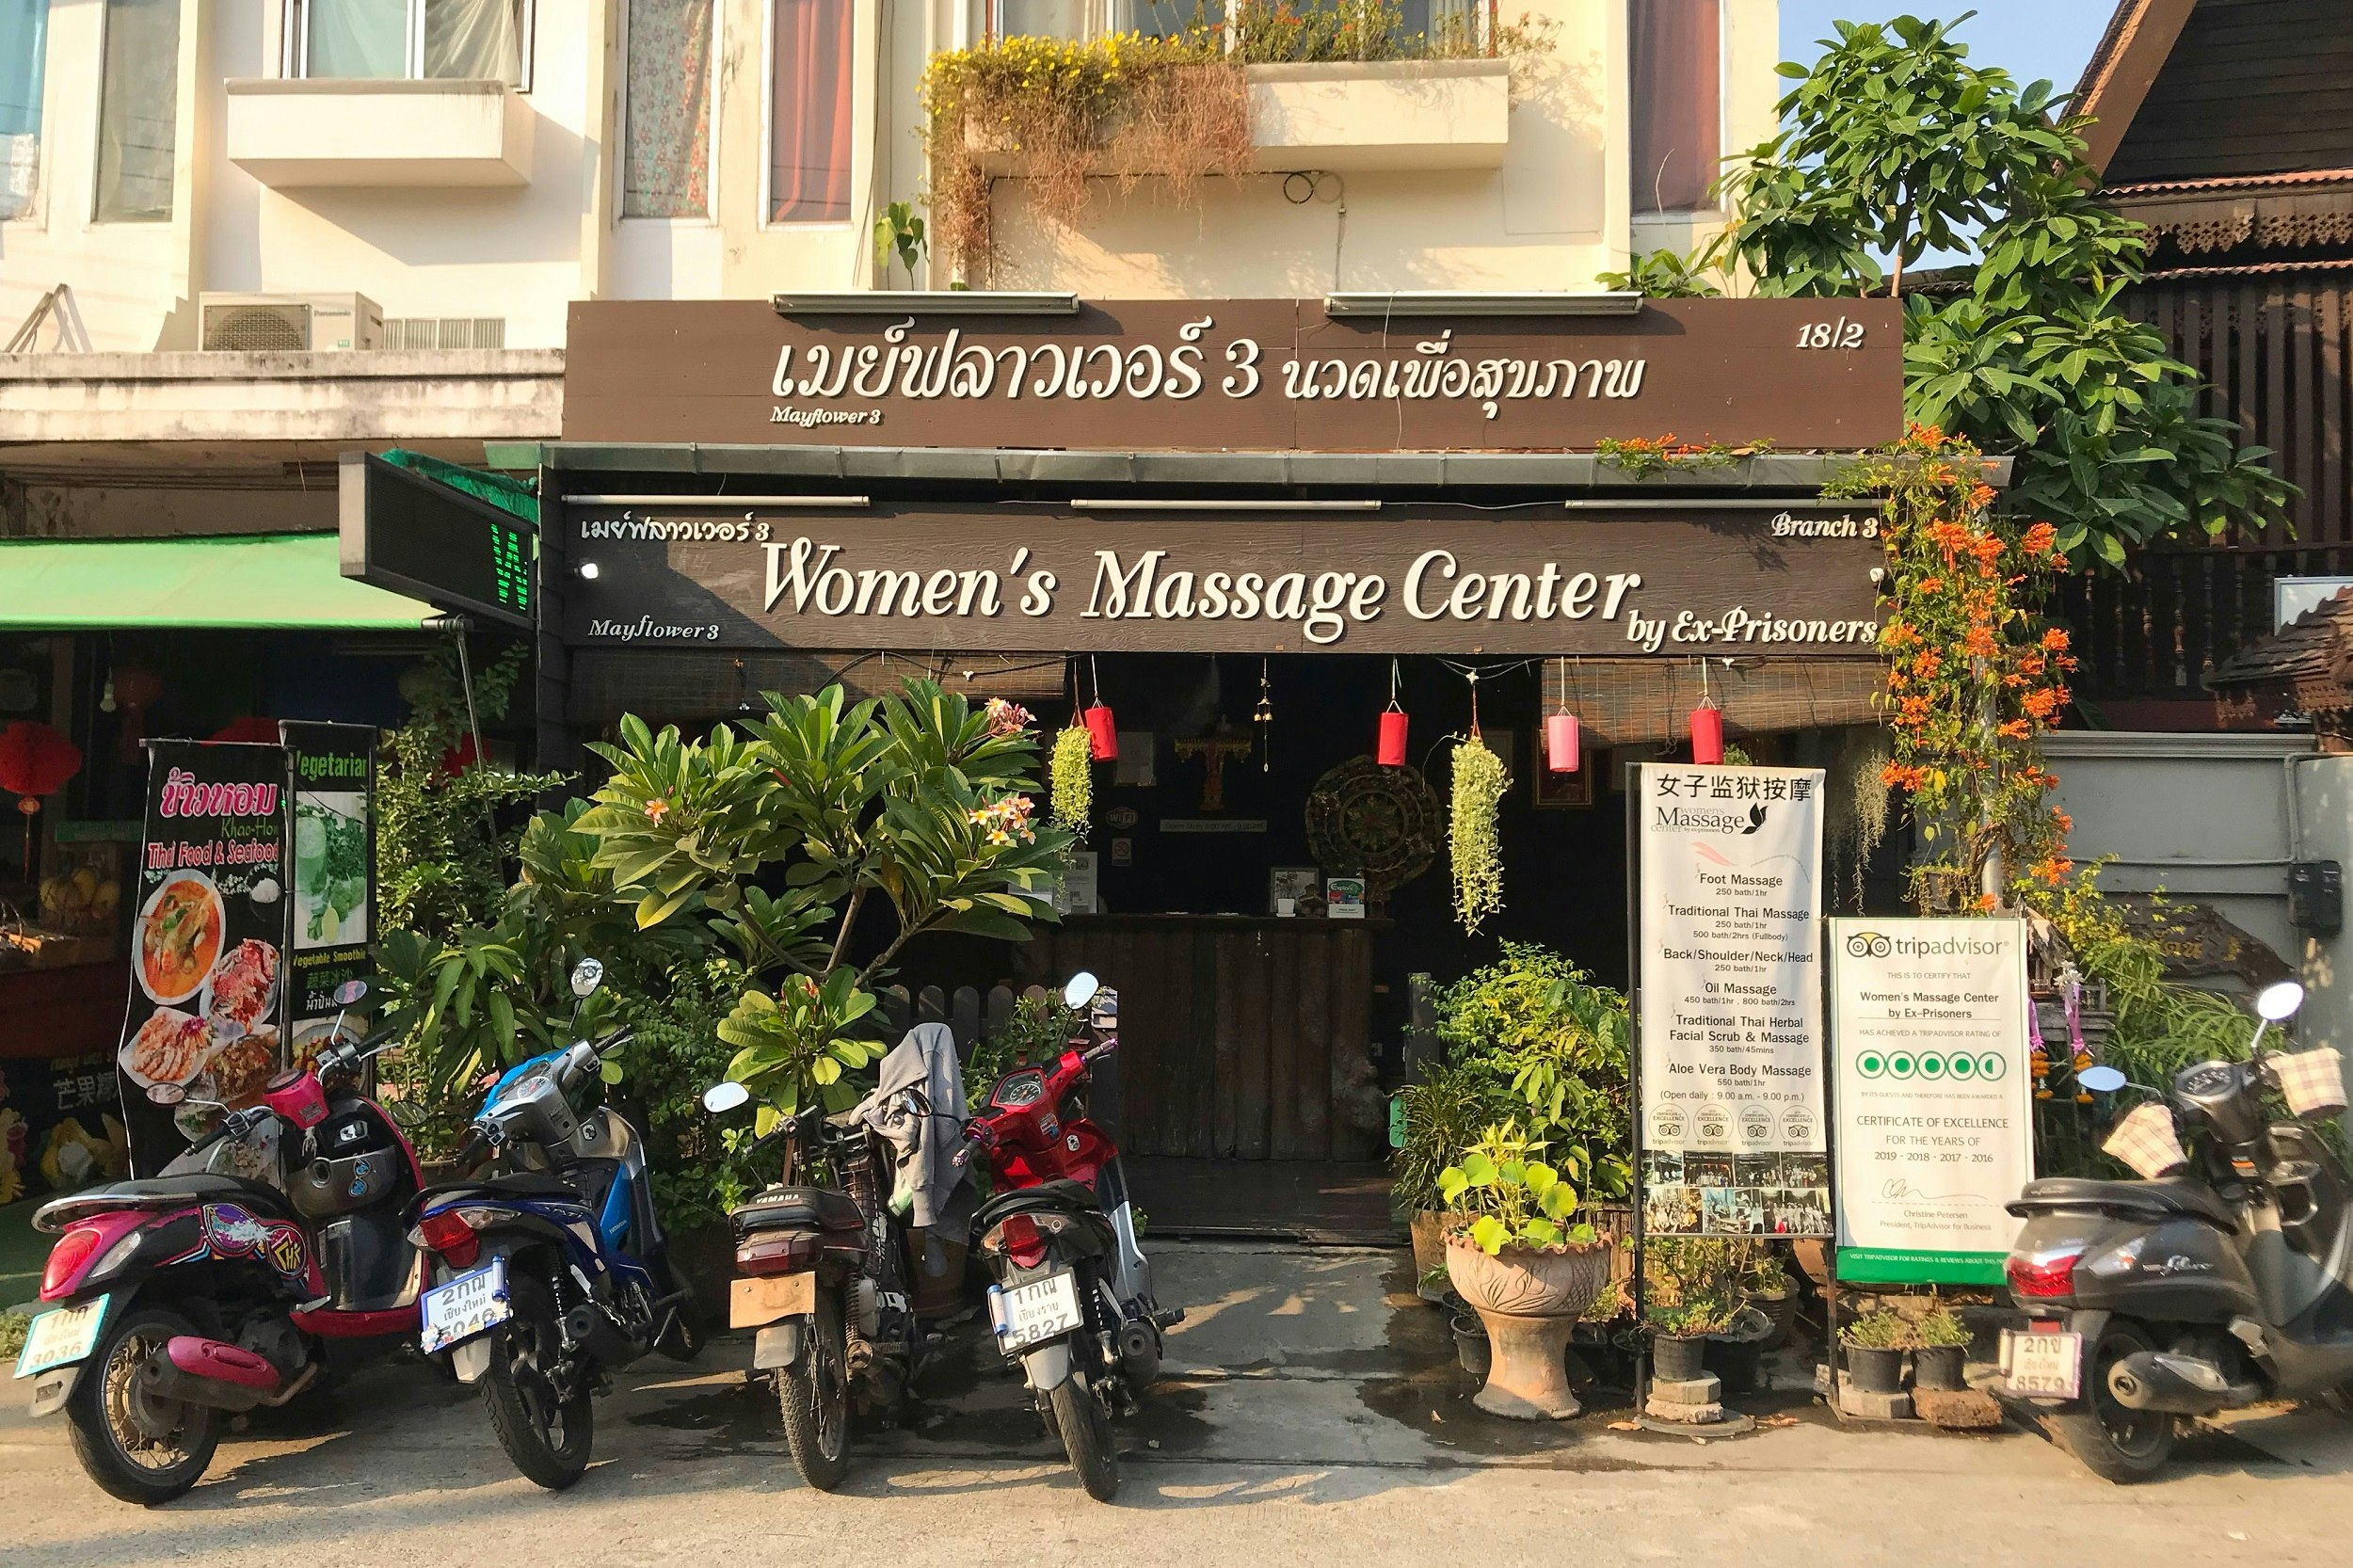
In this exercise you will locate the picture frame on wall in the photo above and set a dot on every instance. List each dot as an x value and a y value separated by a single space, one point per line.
1291 881
1562 791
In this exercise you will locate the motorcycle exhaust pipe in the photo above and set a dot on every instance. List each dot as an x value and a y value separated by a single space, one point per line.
195 1370
2177 1385
590 1330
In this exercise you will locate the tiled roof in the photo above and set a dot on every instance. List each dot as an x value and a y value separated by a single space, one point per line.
2312 653
2231 182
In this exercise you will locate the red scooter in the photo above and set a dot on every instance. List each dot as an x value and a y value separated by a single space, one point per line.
176 1300
1073 1298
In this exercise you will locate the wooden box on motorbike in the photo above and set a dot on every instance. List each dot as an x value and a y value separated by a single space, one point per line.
754 1301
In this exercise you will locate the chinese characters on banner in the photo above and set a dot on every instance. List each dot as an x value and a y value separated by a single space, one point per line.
207 1010
1729 926
1928 1020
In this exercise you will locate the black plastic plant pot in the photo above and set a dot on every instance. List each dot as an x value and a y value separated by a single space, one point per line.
1938 1366
1470 1344
1675 1360
1875 1372
1738 1364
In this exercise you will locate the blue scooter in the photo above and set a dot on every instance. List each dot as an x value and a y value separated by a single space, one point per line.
548 1277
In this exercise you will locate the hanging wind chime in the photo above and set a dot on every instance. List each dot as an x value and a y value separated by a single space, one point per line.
1561 737
1263 720
1389 751
1102 729
1708 726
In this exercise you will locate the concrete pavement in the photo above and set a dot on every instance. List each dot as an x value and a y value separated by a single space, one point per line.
1309 1412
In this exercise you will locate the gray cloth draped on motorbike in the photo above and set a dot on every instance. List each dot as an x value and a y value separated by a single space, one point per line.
924 1147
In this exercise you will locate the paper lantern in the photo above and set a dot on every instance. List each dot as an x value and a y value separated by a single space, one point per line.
1561 742
1390 753
35 760
137 689
1708 735
1102 733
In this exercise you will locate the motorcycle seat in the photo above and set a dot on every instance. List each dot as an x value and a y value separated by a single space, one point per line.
2193 1199
797 1209
163 1191
518 1184
1060 1196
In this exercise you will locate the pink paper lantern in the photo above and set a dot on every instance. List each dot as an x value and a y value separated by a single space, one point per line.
1560 738
1390 752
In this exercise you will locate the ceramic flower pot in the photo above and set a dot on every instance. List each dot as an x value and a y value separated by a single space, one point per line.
1528 1301
1429 1252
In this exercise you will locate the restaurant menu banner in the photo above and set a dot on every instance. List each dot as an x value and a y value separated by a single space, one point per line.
207 1010
1729 924
1928 1021
331 913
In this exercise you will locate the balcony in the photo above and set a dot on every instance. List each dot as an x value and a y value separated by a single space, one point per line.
1380 113
296 134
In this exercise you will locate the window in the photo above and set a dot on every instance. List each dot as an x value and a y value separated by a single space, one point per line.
1675 74
138 111
665 163
439 40
24 50
809 111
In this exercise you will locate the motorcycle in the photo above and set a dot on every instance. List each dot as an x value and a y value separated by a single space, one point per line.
2221 1279
179 1299
1073 1294
827 1257
546 1279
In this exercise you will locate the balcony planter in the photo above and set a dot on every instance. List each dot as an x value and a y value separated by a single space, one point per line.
1528 1301
304 133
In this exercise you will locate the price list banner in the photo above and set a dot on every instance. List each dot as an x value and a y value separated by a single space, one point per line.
1731 1021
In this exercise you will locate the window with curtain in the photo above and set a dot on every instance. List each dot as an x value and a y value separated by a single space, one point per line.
138 111
447 39
24 50
1675 78
808 136
665 163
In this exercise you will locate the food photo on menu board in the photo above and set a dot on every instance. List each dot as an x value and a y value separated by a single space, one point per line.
332 903
207 1003
1730 1020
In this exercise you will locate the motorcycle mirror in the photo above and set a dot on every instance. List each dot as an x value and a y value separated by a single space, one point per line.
586 976
2101 1081
166 1093
1081 990
349 992
2277 1003
406 1114
722 1097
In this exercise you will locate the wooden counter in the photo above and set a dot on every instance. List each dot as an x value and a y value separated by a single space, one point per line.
1240 1036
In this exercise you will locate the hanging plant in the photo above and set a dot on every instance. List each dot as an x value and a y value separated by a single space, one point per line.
1472 843
1071 773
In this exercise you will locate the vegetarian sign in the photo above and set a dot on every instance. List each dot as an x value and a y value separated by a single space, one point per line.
1412 578
332 908
1730 1003
1929 1022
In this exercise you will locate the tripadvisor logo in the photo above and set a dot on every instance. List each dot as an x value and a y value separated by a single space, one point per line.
1960 1066
1874 944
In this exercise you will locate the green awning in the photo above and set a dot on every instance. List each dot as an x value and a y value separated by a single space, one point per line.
285 581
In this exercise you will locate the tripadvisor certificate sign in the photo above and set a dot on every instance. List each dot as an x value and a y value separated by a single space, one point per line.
1731 1021
1928 1024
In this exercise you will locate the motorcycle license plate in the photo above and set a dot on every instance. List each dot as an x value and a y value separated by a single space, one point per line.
61 1337
469 1304
2043 1366
1040 1310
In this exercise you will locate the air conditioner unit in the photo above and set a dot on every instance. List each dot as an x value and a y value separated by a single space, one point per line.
296 323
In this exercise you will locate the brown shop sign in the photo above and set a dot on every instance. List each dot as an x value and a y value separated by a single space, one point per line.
1413 579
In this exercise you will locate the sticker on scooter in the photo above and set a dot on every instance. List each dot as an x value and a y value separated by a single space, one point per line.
233 1232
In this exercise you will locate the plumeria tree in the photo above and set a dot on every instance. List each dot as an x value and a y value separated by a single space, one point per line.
782 838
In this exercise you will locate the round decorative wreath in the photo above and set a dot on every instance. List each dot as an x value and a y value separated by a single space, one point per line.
1383 824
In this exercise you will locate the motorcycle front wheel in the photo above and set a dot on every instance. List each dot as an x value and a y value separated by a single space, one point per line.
814 1396
135 1446
2114 1441
546 1432
1086 1430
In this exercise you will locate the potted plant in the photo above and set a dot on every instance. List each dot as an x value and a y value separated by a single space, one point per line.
1679 1334
1517 1262
1444 1114
1939 1350
1695 1292
1875 1345
1771 1290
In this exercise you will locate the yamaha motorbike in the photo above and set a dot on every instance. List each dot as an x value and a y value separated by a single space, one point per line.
228 1281
551 1274
2222 1279
1073 1298
827 1259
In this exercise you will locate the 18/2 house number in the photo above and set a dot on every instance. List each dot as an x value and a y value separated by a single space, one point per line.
1841 333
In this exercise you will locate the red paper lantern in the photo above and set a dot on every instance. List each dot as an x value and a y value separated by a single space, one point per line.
35 760
137 690
1390 753
459 758
1561 742
1102 733
1708 735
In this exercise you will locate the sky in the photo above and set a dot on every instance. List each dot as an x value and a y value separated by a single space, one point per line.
2046 40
